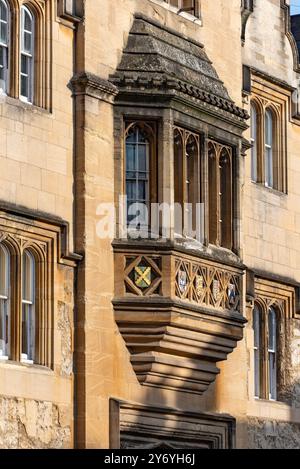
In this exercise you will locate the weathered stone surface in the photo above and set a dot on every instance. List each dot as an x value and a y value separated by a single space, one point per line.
26 423
64 325
273 434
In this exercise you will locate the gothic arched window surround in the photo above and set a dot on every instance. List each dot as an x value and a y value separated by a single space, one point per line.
266 323
34 59
23 303
267 165
140 185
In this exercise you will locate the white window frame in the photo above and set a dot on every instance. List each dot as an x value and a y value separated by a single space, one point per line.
28 309
257 324
5 46
5 303
178 10
272 352
269 149
254 141
29 55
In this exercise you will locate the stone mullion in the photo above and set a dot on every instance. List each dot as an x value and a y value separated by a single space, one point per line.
14 74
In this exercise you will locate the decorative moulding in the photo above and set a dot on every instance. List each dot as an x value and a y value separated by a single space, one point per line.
159 60
135 426
85 83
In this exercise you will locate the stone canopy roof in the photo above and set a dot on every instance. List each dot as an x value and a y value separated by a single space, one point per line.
157 57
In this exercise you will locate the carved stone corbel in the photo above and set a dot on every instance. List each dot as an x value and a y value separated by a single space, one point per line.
247 10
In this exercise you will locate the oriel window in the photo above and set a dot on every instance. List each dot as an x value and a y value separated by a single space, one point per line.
4 303
4 45
27 55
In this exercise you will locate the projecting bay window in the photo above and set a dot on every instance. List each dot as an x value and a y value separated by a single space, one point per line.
28 308
265 328
4 45
27 55
4 303
220 194
140 149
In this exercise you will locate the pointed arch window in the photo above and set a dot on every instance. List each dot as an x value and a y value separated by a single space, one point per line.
272 353
28 307
268 164
140 143
27 54
4 45
269 148
5 333
187 181
257 328
254 141
265 329
220 194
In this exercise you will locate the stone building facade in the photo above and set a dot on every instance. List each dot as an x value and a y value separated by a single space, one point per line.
150 335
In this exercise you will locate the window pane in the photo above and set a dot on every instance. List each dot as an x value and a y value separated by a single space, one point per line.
4 33
28 26
143 157
28 332
27 43
4 271
25 64
24 86
137 166
3 11
273 376
130 157
28 274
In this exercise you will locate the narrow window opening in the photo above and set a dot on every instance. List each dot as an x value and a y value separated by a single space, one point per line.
272 354
28 308
4 303
269 149
27 55
138 151
254 141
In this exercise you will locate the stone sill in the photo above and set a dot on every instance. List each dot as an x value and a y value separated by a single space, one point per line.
273 410
22 366
21 104
183 14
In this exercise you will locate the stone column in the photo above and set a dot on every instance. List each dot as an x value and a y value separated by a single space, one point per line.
93 185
